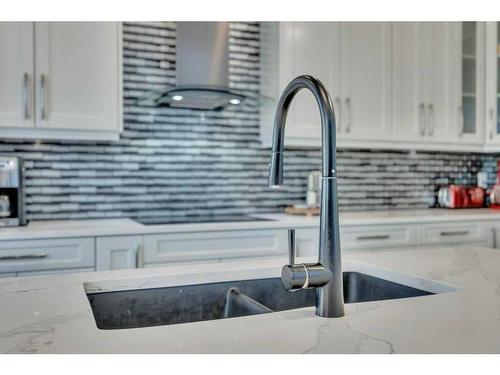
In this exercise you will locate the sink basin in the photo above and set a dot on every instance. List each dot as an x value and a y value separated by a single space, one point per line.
193 303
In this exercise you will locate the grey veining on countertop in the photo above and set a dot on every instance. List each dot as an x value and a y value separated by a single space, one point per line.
51 314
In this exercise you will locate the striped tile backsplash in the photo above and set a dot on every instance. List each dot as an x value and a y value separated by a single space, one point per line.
172 162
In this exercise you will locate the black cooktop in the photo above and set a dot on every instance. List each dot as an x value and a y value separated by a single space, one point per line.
197 219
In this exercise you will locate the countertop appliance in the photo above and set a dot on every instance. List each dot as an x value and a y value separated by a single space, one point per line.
455 196
11 192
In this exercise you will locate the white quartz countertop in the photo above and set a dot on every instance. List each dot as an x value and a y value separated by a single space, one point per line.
114 227
51 314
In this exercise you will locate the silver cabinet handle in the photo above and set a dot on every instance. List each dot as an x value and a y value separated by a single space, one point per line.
24 257
374 237
337 103
43 97
26 104
432 124
349 113
138 256
491 113
454 233
421 119
460 121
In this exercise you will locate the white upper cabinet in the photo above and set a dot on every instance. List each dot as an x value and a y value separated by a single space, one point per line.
403 85
353 60
366 82
422 82
16 74
492 100
73 84
468 59
409 104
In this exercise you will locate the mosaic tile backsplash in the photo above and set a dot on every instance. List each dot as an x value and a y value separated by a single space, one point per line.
172 162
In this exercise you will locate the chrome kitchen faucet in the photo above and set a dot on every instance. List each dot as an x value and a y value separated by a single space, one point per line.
326 274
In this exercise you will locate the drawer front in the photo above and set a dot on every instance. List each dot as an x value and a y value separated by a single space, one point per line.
41 255
210 246
432 234
376 237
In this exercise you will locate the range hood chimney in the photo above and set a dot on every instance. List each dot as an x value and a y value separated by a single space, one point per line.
202 68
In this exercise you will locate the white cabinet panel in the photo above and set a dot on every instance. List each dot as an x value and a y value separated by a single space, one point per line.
118 252
309 48
16 74
366 88
378 236
213 246
492 85
409 105
40 255
77 83
456 233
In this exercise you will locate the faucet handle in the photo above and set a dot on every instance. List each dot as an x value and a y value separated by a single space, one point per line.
291 247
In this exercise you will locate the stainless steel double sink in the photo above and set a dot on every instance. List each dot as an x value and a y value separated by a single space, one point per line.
193 303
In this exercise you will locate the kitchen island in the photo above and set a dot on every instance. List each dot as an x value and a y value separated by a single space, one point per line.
51 314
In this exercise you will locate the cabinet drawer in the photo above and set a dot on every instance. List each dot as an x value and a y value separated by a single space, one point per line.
375 237
41 255
207 246
430 234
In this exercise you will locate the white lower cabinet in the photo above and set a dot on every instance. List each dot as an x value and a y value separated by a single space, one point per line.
378 236
454 233
118 252
213 246
47 255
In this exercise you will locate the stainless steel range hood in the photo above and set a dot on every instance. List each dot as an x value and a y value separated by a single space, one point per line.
202 69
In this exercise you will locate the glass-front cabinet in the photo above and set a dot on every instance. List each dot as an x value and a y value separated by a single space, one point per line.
470 72
492 101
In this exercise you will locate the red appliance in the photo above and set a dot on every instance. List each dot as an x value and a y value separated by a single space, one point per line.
455 196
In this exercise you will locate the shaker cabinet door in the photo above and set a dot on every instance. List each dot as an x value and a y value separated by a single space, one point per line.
409 103
309 48
77 75
366 87
16 75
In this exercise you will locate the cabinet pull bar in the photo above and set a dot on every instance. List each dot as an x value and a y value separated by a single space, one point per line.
349 112
492 122
431 119
421 119
26 108
374 237
43 97
454 233
23 257
337 108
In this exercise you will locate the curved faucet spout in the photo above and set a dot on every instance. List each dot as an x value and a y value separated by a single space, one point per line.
326 275
328 126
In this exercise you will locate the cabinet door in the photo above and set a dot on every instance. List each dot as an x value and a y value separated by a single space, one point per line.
469 74
439 110
493 83
78 69
408 80
16 74
118 252
366 86
309 48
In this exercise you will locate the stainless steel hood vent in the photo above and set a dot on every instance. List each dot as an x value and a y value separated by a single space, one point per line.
202 69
